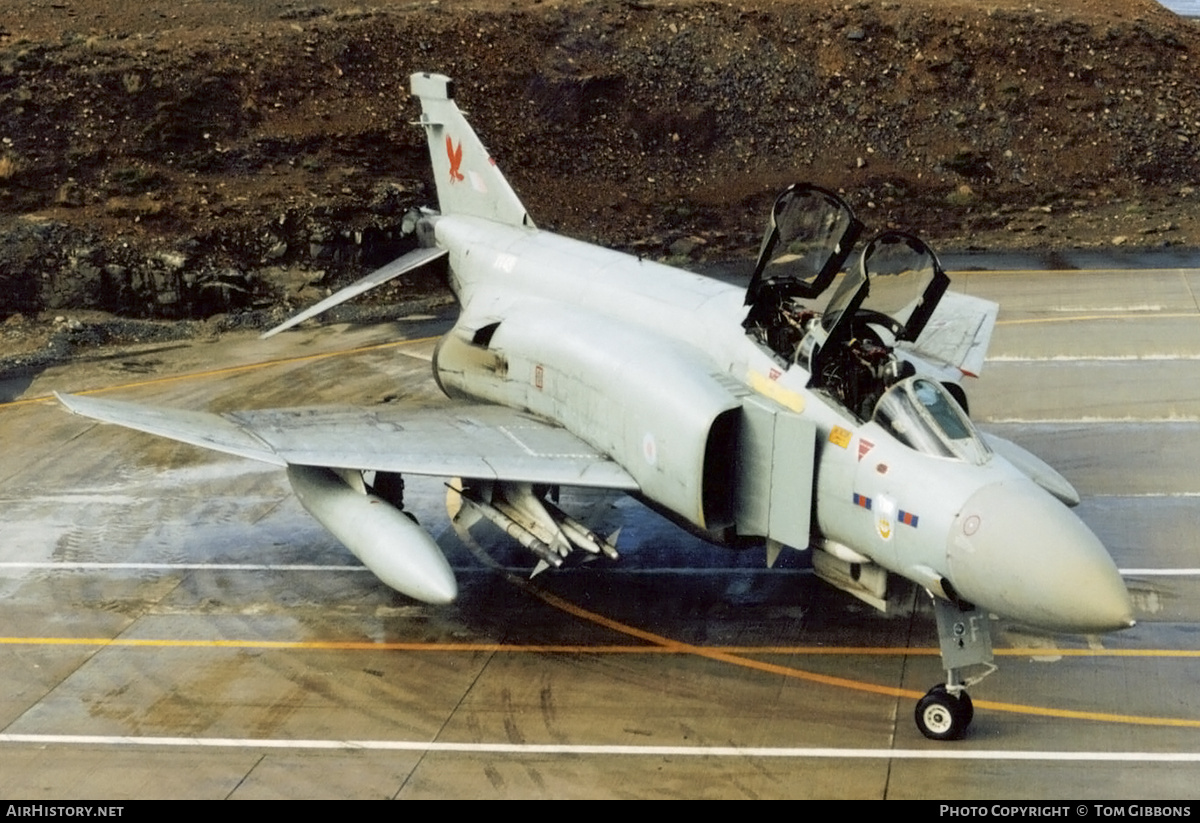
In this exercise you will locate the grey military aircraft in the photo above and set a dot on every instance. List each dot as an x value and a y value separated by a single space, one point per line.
820 409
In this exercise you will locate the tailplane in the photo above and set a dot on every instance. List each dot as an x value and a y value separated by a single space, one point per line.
468 181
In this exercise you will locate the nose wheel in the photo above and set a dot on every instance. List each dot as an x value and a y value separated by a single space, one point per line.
941 715
946 710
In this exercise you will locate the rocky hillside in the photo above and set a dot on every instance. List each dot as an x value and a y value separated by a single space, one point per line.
187 158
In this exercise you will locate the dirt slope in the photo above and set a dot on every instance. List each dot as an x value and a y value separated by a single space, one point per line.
185 158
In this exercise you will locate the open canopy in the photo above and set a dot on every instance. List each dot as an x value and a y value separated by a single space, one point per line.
897 286
810 234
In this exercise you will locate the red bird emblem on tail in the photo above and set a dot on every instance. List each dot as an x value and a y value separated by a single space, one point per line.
455 155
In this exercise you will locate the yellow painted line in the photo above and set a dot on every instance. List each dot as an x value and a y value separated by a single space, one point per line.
734 655
1079 272
282 361
659 643
1072 714
1076 318
1184 653
553 648
771 389
711 654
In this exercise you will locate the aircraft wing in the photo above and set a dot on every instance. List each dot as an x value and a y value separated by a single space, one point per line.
958 332
482 442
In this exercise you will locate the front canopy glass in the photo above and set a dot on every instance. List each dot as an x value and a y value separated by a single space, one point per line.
921 415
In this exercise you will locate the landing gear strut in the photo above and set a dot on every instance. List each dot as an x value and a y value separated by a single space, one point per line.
945 712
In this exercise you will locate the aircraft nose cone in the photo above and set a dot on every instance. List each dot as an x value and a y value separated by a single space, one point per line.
1016 551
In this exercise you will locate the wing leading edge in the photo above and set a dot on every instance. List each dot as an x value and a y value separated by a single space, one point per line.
483 442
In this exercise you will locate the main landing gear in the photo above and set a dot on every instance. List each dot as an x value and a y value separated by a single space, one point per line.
945 712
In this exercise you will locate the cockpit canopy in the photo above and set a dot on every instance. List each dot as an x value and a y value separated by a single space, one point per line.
888 298
809 235
897 285
921 415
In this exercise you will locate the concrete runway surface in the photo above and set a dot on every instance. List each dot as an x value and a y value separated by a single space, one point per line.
174 625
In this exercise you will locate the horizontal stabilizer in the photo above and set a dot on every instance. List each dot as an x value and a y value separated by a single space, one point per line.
401 265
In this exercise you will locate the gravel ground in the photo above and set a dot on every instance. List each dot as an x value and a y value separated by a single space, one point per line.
236 160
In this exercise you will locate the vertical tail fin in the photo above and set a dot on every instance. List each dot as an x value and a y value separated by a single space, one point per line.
468 181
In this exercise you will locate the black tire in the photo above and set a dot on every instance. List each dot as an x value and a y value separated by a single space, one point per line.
968 708
964 700
942 716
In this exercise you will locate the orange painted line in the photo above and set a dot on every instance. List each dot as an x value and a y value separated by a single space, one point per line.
519 648
1074 272
331 645
1185 653
842 682
663 645
712 654
306 358
737 659
1102 717
522 648
659 643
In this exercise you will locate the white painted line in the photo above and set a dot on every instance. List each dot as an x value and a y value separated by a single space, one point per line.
943 753
1144 307
1087 421
299 567
1142 495
51 565
1159 572
1095 358
241 567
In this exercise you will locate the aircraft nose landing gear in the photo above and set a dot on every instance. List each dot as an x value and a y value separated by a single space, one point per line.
946 710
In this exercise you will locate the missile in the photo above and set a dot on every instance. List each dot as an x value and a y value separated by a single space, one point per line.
515 530
537 524
457 494
384 538
583 537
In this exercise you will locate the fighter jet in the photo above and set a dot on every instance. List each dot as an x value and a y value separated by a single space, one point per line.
819 409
